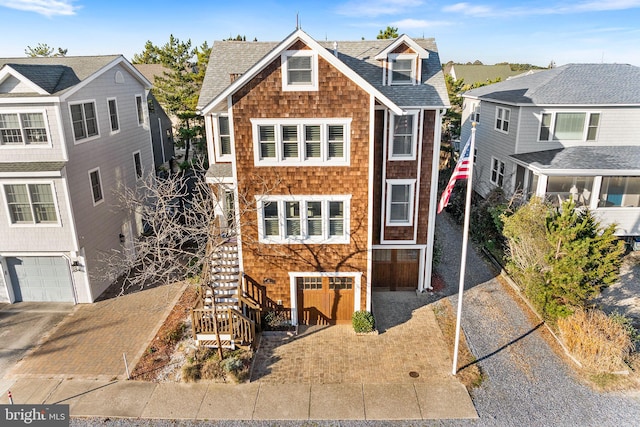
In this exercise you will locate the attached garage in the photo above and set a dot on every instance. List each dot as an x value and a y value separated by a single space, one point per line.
324 300
45 278
396 269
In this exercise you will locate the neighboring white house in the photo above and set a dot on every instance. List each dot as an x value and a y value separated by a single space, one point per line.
72 130
571 131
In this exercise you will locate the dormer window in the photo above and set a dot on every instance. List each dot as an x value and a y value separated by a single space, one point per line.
402 70
299 70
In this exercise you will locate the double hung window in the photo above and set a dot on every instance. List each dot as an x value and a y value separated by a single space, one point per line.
31 203
299 70
84 120
404 137
400 199
503 115
23 129
304 142
303 219
113 115
96 186
497 172
403 69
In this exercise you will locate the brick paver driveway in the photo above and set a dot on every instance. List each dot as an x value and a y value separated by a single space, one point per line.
410 341
90 342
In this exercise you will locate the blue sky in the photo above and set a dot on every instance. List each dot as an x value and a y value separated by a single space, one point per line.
492 31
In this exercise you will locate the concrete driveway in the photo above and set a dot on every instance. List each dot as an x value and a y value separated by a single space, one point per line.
24 325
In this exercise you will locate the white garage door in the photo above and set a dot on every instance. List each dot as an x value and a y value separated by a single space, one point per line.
40 279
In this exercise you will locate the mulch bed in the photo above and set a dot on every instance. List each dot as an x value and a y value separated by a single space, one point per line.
158 353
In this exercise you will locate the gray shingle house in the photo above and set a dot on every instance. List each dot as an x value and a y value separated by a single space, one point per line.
571 131
72 129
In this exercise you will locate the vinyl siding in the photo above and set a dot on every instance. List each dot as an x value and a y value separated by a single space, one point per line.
627 220
36 238
54 151
99 226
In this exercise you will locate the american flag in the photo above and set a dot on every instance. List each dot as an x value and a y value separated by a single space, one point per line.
461 171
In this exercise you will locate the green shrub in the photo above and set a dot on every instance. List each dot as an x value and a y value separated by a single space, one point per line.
363 321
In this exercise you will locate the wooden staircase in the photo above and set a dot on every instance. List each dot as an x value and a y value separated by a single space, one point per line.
229 312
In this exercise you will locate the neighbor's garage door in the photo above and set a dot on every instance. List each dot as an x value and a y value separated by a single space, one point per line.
40 279
325 300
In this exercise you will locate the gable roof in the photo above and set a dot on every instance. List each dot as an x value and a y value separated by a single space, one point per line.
572 84
617 159
355 58
60 76
151 71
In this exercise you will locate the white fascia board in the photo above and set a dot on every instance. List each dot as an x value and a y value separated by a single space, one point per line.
30 100
277 51
32 174
584 172
9 71
119 60
422 53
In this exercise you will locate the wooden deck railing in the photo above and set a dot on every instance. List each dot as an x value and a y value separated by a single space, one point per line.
231 322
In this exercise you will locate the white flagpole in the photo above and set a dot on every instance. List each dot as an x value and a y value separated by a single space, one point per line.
465 239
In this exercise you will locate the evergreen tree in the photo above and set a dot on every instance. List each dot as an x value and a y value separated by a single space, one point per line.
177 90
43 49
584 258
388 33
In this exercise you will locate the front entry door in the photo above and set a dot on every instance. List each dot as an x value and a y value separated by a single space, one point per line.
325 300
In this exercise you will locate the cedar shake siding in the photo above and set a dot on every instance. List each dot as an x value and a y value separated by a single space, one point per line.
337 97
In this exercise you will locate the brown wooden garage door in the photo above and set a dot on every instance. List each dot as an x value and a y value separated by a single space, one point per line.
325 300
396 269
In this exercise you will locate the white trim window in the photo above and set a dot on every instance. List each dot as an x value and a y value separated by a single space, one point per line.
497 172
140 110
475 113
402 69
29 128
404 136
299 70
400 202
84 120
95 183
303 219
304 142
503 116
569 126
31 204
137 164
223 137
114 123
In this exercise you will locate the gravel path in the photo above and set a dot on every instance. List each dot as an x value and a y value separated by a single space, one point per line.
527 383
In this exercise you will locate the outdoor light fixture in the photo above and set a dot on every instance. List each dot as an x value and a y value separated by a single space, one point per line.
121 237
76 266
268 281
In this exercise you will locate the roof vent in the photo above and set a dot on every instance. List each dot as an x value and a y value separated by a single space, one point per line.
234 76
335 49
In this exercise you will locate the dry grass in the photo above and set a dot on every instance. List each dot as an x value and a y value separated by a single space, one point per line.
598 342
469 372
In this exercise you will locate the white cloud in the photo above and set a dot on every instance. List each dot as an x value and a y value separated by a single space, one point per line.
563 8
43 7
372 8
411 24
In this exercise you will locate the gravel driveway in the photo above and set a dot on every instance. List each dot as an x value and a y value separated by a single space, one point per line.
527 383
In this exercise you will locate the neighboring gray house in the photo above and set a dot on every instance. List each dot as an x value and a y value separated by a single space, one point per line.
72 129
571 131
160 123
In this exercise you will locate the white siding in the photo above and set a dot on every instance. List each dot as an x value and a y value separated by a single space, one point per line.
54 151
36 238
99 226
627 220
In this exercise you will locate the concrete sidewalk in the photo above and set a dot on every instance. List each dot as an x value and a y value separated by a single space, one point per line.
441 399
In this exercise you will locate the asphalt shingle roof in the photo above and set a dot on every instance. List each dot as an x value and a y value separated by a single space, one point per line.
612 158
58 74
31 166
234 57
572 84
